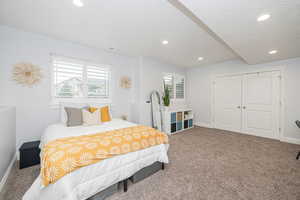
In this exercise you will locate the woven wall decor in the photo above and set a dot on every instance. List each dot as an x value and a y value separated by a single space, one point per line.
26 74
125 82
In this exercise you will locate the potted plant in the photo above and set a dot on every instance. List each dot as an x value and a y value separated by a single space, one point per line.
166 96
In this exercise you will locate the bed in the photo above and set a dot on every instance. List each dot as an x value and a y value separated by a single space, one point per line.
87 181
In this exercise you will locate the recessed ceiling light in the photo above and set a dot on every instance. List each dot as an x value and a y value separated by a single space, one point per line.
78 3
263 17
273 52
200 58
165 42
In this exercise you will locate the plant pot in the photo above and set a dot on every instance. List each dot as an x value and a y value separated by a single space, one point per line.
165 108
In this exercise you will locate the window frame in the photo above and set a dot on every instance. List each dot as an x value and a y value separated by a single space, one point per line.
174 77
55 101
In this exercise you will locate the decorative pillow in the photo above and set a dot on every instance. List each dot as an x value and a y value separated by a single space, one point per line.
104 113
74 116
91 118
63 114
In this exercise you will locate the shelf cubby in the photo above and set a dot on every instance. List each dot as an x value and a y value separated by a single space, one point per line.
177 120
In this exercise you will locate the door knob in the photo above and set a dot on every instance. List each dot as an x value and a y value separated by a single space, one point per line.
244 107
239 107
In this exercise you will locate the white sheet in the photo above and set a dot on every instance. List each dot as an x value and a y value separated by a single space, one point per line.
57 131
87 181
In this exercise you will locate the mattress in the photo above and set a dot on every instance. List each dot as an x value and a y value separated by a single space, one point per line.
88 181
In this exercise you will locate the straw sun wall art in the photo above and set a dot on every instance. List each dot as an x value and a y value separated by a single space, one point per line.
26 74
125 82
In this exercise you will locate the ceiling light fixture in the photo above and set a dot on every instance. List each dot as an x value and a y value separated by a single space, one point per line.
78 3
200 58
165 42
273 52
263 17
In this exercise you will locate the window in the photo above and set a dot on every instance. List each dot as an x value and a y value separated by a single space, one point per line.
168 83
74 79
179 87
97 81
176 85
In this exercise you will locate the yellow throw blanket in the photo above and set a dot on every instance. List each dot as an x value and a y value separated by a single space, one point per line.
65 155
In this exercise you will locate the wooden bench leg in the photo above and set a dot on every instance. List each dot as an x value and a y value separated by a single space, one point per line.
125 184
163 166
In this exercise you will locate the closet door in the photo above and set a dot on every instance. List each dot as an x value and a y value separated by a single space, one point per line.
261 104
227 99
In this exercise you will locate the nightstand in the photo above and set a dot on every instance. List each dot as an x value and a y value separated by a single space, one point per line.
29 154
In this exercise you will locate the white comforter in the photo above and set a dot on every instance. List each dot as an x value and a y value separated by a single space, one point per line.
87 181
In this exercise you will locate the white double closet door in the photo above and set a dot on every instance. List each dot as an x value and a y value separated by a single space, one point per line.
248 103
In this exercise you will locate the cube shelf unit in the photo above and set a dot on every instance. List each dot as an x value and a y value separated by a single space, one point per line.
177 120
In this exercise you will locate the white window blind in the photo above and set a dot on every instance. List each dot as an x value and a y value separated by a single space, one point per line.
179 83
175 84
98 82
169 83
68 79
79 79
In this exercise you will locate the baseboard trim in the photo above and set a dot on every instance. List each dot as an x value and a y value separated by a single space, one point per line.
201 124
290 140
282 139
4 179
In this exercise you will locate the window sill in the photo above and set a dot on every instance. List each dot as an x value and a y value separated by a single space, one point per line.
55 103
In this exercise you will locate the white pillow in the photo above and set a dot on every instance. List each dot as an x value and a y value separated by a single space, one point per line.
63 114
91 118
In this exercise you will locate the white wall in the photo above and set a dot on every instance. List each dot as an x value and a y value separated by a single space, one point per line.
150 78
8 139
33 109
199 90
33 104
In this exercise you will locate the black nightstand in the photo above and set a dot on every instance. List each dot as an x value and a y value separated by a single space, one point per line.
29 154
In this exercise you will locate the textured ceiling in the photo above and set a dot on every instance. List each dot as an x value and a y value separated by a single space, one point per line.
134 28
235 22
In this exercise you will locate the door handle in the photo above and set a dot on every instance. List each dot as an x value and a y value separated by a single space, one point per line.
244 107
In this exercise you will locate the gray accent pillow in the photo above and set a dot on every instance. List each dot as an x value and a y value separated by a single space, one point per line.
74 116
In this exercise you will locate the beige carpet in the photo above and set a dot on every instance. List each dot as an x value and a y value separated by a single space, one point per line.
208 164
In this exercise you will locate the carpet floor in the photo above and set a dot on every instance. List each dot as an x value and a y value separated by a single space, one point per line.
206 164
